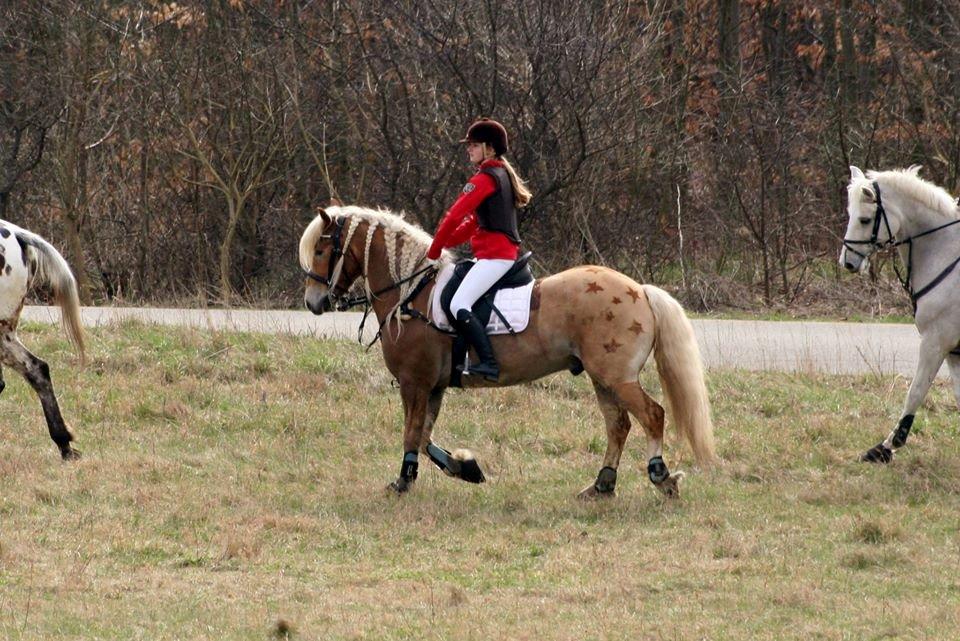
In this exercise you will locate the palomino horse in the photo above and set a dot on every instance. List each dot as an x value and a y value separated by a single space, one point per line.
26 259
899 209
589 318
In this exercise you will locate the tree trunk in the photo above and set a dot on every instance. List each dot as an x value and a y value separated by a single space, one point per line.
729 42
234 209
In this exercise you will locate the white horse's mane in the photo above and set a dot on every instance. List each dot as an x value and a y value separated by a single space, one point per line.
406 243
924 192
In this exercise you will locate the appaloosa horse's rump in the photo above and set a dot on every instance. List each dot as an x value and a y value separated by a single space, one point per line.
27 259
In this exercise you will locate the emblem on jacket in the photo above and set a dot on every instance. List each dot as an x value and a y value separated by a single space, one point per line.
468 188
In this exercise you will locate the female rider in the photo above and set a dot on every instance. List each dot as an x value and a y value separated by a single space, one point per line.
486 214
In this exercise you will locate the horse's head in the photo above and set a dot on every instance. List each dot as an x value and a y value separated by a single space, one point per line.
328 262
870 226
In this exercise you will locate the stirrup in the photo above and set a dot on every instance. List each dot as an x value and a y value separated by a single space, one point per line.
490 371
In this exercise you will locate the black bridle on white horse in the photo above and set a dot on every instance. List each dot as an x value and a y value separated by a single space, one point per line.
881 216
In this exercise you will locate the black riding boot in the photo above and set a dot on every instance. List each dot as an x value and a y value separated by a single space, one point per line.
476 335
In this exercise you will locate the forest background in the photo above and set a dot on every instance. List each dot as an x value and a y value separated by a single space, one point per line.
175 151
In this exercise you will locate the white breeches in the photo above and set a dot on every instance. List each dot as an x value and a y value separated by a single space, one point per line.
479 279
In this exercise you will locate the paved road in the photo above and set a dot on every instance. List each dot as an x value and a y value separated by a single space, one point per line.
832 348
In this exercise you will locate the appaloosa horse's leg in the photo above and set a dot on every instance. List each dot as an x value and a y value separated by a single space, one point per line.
37 373
618 427
3 383
931 357
415 401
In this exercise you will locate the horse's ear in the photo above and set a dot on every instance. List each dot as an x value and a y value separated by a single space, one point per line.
856 173
868 195
323 214
914 169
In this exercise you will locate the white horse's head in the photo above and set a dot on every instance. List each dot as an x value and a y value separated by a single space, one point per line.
873 221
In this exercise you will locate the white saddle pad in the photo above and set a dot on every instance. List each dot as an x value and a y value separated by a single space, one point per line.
514 304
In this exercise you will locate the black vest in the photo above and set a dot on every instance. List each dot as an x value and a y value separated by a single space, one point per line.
497 212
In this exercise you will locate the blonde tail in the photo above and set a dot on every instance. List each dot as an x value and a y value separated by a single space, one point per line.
52 269
681 373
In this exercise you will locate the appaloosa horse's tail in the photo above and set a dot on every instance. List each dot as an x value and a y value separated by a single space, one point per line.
52 269
681 373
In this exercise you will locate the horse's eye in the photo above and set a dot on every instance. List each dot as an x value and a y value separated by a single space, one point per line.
865 221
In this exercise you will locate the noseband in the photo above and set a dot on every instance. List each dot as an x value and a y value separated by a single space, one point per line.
881 214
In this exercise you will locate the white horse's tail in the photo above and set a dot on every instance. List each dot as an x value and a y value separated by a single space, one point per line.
681 373
50 268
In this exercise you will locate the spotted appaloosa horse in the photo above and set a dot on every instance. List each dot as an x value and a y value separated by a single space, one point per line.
589 317
26 259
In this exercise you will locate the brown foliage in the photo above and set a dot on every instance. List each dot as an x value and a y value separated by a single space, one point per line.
183 146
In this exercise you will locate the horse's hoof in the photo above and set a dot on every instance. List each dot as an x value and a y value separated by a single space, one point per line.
70 454
399 487
877 454
591 493
469 469
671 485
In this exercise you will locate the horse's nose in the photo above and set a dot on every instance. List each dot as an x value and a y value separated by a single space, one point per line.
850 267
314 306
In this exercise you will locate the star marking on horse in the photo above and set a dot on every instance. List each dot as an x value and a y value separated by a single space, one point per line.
636 328
616 300
593 288
612 346
608 315
634 294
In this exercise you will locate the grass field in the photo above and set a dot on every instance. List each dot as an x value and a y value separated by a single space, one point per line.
232 487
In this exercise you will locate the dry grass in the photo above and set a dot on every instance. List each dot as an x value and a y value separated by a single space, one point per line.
232 488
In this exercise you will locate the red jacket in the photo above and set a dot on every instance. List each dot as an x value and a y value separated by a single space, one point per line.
459 224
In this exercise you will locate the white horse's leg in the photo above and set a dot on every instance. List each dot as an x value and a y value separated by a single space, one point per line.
931 356
953 361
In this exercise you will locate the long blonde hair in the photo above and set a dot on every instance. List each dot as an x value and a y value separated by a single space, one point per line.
521 193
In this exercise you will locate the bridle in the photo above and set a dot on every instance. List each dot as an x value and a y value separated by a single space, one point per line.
881 214
334 257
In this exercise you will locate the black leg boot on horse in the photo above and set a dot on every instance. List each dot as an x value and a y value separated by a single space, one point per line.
476 334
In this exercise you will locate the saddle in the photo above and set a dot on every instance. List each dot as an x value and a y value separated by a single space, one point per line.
519 276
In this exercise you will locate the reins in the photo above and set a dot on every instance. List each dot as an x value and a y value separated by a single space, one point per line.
881 214
403 305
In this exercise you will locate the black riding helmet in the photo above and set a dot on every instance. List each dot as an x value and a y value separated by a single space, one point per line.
491 132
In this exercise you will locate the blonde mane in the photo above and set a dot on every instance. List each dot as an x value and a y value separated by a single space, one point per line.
923 192
406 244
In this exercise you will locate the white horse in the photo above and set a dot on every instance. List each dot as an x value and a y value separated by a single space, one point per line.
899 209
25 260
